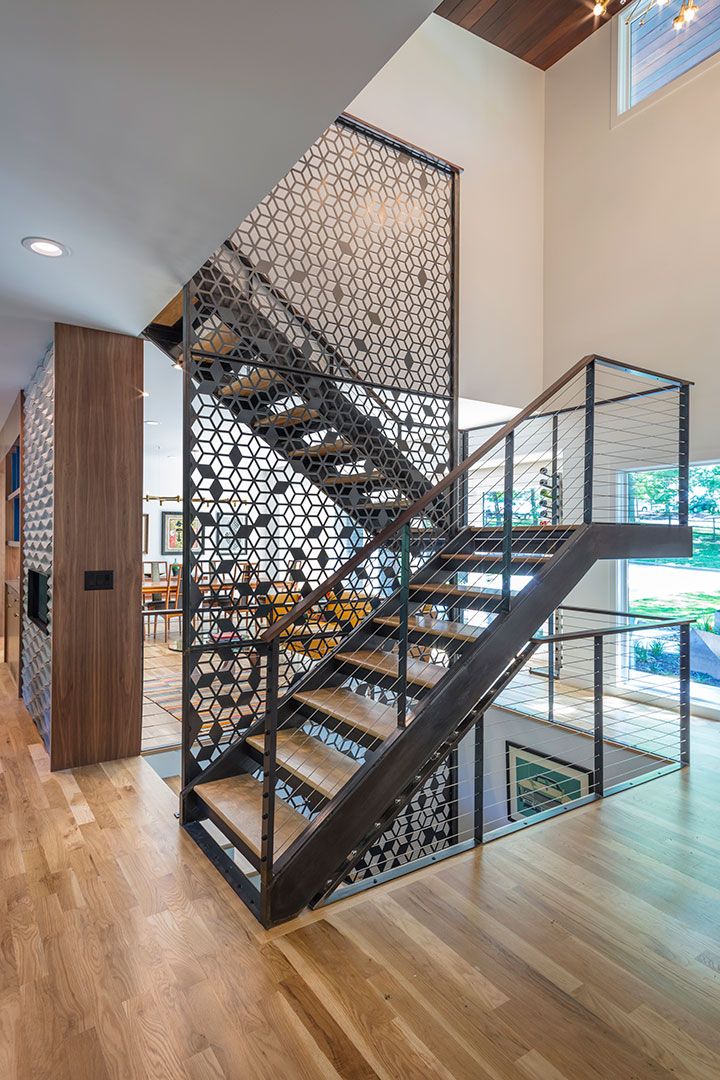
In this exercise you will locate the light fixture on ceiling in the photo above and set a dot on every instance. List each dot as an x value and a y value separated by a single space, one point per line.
687 13
41 245
152 423
144 393
600 8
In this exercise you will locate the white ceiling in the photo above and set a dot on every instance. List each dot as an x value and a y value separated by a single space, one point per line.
140 134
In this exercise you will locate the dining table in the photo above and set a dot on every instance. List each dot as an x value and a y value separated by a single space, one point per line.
150 588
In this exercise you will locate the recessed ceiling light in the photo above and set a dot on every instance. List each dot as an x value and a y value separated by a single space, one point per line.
144 393
40 245
152 423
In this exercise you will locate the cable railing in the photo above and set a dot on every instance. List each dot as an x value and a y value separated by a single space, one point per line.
403 610
323 682
583 718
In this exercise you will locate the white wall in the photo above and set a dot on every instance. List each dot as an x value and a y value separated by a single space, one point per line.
574 747
465 100
162 476
632 229
162 458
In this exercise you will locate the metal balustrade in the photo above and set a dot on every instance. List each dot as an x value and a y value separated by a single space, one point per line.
365 661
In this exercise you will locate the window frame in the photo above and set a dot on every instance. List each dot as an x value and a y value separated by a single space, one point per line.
621 73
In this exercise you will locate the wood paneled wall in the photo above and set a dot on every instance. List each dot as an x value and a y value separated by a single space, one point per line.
97 635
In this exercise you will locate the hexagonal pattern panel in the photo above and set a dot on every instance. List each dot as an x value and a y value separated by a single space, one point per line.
319 405
38 456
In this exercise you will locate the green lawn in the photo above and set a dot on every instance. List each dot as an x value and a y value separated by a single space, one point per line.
679 606
706 552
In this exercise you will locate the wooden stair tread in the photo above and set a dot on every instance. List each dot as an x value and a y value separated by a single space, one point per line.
353 478
320 766
494 557
441 627
323 449
237 800
418 671
362 713
455 590
263 379
298 415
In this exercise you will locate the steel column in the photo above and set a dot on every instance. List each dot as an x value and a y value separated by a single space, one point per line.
555 479
508 517
683 453
479 778
599 745
403 627
267 843
589 442
685 694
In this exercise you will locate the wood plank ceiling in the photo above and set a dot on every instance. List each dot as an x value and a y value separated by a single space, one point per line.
539 31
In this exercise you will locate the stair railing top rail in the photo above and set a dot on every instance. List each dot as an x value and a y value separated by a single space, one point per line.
505 433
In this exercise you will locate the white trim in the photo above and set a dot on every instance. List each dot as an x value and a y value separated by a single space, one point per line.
620 73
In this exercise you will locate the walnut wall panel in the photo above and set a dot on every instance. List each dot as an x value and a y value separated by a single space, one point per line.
97 635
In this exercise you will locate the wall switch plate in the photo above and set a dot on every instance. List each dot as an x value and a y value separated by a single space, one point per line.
98 579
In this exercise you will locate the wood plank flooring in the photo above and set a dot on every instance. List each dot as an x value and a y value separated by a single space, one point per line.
162 669
586 947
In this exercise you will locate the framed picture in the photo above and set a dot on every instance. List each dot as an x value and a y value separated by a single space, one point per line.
538 782
172 532
146 534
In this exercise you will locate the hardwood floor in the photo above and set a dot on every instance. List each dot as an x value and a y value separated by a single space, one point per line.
162 693
585 947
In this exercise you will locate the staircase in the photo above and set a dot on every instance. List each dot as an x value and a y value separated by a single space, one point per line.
344 437
396 680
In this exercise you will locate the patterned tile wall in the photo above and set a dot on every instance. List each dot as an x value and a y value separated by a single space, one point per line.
38 488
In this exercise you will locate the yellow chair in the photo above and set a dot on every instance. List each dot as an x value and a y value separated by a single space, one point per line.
339 615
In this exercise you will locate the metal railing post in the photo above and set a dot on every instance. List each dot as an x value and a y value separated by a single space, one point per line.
599 745
589 441
508 517
551 669
479 822
403 625
685 693
267 841
683 453
554 477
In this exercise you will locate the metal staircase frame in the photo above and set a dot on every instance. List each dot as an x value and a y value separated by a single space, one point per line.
346 825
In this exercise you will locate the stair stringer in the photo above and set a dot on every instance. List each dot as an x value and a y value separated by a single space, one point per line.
366 806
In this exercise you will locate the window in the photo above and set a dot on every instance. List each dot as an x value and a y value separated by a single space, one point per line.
653 53
679 588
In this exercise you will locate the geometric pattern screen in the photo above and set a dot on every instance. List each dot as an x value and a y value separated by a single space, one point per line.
38 491
319 402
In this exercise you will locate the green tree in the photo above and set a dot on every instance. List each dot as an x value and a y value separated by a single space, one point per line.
656 490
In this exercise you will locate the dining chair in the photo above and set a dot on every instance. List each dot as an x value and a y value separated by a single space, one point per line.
173 602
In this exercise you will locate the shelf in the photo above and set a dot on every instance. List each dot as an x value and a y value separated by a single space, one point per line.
12 543
14 494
